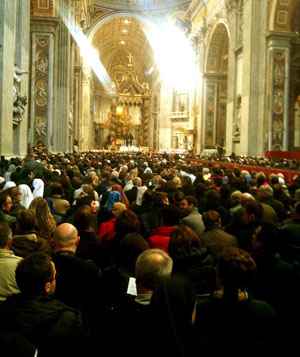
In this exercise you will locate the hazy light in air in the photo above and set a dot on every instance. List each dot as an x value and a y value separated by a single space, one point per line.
90 55
173 54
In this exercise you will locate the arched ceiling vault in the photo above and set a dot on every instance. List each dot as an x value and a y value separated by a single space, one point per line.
122 42
217 59
140 5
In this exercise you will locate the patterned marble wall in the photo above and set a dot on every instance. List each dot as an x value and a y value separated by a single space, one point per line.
279 62
41 90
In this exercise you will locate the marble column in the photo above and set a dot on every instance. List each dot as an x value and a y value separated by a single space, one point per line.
234 51
165 125
62 89
8 10
253 91
198 94
279 48
85 121
22 61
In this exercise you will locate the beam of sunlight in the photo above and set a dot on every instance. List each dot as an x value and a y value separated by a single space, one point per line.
174 54
89 53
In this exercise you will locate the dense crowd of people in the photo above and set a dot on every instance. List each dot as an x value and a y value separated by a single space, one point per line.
146 253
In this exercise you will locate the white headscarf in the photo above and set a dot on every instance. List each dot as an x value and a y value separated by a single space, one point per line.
38 187
9 184
26 195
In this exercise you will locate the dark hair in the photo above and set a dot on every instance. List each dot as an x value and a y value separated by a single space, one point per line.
236 270
170 216
33 272
83 218
26 221
191 200
183 242
131 247
127 222
5 234
3 198
211 219
255 208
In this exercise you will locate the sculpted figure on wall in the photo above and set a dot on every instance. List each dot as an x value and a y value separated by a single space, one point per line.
19 102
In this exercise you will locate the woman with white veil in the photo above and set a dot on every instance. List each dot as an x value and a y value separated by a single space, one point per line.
38 188
26 195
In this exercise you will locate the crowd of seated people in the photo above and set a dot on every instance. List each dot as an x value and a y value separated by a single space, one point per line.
145 253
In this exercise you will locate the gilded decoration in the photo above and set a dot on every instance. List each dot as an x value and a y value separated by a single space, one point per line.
42 8
41 87
130 111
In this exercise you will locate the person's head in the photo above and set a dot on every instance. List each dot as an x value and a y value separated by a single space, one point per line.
118 208
265 192
151 267
236 197
15 195
252 212
184 241
246 197
212 219
131 246
6 202
5 235
26 222
127 222
65 238
36 275
236 269
44 217
83 218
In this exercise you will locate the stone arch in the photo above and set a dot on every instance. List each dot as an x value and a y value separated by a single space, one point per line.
283 15
218 34
108 17
104 104
216 69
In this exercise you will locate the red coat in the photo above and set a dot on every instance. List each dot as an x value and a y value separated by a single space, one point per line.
161 237
107 229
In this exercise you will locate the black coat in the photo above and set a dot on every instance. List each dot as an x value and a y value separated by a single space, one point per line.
43 322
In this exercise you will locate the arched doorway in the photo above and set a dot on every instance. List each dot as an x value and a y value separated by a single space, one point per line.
215 77
123 118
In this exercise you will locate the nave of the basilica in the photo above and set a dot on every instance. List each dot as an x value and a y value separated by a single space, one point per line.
185 76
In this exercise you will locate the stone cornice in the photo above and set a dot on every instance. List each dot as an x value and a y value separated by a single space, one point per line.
44 24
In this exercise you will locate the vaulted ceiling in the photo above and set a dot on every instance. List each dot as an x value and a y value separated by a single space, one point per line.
140 5
121 41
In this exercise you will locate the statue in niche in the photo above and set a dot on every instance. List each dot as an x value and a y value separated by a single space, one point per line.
19 102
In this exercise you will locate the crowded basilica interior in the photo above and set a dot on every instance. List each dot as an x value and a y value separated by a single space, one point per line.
149 177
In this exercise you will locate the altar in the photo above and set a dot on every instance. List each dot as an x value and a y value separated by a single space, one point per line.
124 118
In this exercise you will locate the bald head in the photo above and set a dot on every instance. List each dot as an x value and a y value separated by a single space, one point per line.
151 266
66 236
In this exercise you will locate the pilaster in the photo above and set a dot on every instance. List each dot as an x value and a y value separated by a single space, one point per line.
279 52
253 92
22 61
43 32
8 10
